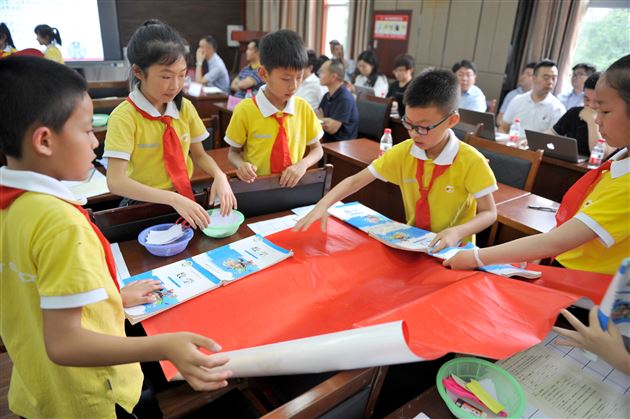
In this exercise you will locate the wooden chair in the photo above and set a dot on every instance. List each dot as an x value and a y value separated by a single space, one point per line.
106 105
462 130
125 223
373 115
108 89
214 140
512 166
265 196
347 394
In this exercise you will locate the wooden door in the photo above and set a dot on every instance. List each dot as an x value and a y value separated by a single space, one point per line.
390 36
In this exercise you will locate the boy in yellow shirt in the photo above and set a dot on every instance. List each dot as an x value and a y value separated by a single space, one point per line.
61 315
446 185
269 133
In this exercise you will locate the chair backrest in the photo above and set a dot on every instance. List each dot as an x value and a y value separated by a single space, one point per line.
212 125
105 89
463 129
347 394
125 223
266 196
373 115
512 166
106 105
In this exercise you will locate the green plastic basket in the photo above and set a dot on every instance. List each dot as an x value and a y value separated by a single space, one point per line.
509 392
99 120
218 232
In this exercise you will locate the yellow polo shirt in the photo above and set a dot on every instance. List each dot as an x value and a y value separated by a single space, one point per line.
452 199
52 259
606 211
138 140
53 53
254 129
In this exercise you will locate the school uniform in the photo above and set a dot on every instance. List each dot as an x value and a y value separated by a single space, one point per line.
53 53
133 137
254 129
606 211
452 197
56 261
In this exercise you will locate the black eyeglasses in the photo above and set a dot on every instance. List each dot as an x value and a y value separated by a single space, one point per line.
419 129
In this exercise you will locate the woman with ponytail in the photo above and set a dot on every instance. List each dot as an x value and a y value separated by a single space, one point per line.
51 39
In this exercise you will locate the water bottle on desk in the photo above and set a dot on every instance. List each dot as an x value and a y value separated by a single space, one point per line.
597 155
386 141
515 133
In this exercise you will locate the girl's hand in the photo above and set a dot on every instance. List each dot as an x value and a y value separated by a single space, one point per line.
139 292
221 189
191 211
319 212
462 260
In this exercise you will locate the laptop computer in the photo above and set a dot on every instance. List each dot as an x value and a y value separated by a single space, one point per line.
474 118
563 148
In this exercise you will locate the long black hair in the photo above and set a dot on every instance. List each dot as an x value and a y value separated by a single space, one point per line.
155 42
48 33
369 57
4 30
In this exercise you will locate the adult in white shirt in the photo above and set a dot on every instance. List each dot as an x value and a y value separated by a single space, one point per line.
524 85
538 109
575 97
311 89
210 69
367 74
470 96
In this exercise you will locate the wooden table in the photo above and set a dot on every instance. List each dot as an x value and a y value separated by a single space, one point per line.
515 219
204 103
350 157
428 402
555 177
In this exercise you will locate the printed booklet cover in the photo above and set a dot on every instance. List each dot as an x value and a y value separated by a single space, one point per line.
193 276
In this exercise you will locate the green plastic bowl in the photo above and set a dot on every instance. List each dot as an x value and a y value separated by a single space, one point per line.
509 391
99 119
225 230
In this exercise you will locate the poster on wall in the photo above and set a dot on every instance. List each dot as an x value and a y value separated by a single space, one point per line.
391 27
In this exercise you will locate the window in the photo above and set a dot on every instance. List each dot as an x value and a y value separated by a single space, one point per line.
336 15
603 35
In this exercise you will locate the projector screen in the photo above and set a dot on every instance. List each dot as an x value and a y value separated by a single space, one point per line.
88 28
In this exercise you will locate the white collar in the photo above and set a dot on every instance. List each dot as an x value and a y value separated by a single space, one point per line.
267 109
548 98
142 102
447 155
36 182
620 166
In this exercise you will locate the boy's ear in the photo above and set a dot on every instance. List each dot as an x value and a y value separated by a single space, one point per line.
263 73
453 120
41 140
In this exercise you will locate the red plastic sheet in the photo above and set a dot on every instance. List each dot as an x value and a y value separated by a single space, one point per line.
342 279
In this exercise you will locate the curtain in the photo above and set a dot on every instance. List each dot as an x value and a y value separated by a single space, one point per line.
303 17
359 26
553 32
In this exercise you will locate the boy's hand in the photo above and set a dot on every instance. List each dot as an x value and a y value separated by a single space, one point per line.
462 260
246 172
292 175
320 211
182 349
139 292
191 211
221 189
446 238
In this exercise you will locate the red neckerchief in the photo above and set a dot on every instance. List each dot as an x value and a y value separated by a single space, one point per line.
423 212
174 159
8 195
280 157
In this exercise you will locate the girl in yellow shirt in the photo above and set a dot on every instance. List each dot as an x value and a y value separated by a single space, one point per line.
50 38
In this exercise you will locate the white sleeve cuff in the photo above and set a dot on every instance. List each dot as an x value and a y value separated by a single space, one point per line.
604 236
485 191
375 173
72 301
202 137
117 155
316 139
232 143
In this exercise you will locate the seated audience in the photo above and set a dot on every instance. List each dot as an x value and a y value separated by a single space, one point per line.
367 74
576 96
310 89
524 85
471 97
210 68
248 77
338 109
538 109
579 122
336 51
404 67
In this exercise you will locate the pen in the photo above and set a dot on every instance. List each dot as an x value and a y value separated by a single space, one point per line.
549 209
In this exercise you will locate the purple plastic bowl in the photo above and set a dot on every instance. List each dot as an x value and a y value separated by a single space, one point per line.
168 249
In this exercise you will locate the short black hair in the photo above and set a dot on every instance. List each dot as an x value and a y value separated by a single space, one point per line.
588 68
320 60
256 43
544 63
438 88
591 82
465 64
283 49
531 65
405 60
35 92
211 40
312 59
